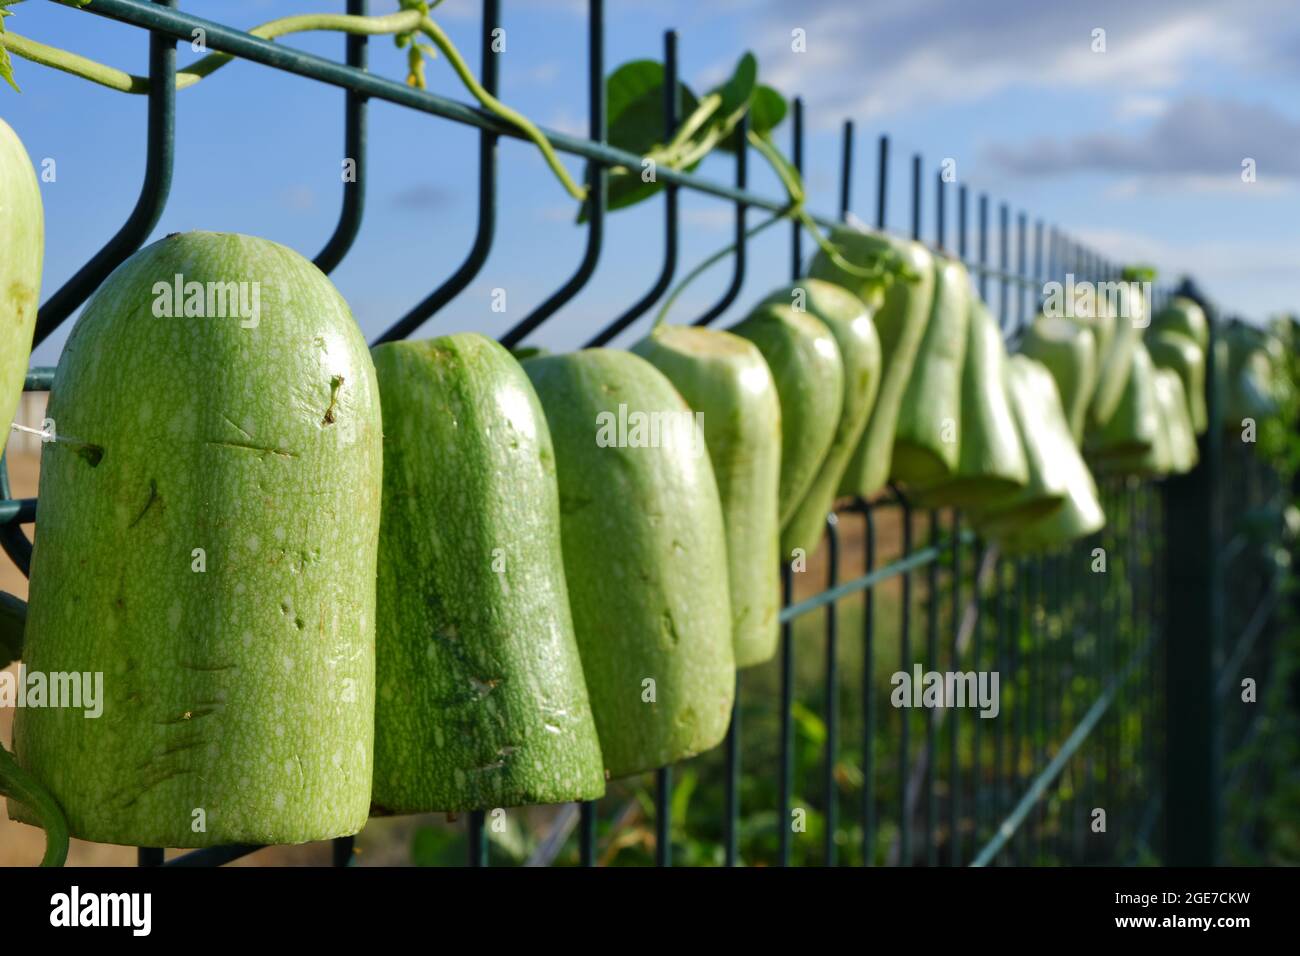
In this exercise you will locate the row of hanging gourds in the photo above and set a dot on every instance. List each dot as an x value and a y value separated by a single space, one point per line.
525 611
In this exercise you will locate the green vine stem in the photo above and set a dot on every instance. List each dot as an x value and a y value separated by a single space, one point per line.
710 262
404 22
17 784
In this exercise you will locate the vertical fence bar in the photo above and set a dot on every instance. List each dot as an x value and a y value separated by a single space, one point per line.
1021 273
476 833
882 181
1004 265
984 246
954 725
904 713
868 690
916 196
1193 613
664 816
731 796
787 720
832 690
587 814
846 170
930 799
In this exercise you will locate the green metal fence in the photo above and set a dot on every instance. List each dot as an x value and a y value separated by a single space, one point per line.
1110 653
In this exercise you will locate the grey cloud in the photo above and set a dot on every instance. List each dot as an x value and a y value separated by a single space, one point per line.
1198 135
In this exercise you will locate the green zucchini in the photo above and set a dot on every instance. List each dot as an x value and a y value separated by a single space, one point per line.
1027 383
645 557
1177 420
900 315
22 246
809 376
725 378
992 463
1069 351
1129 436
927 443
1080 513
480 700
1183 356
1122 310
209 522
849 320
1182 316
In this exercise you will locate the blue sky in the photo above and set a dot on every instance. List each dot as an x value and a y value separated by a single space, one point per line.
1136 149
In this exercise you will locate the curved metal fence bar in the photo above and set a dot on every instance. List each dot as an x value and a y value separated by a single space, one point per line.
161 152
597 180
354 151
487 193
671 109
741 239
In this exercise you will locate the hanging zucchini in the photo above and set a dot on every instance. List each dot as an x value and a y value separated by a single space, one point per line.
1127 440
809 375
1183 316
480 700
209 522
992 464
645 556
1080 513
1069 351
927 442
725 378
849 321
1048 486
900 314
1177 420
1174 351
1124 319
22 246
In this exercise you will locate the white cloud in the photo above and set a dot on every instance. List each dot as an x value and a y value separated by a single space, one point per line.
872 60
1254 276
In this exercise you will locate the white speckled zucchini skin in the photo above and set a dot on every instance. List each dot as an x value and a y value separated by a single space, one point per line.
22 246
725 378
480 699
646 562
245 691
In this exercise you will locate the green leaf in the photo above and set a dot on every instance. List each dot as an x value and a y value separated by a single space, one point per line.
1139 272
634 110
6 65
737 95
767 111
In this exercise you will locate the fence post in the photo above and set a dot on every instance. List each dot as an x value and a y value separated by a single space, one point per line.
1193 603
